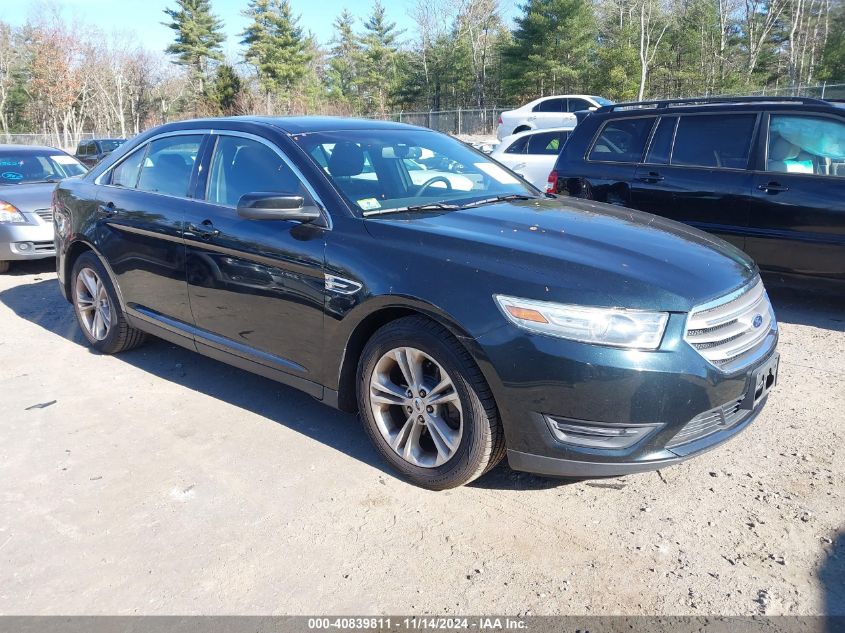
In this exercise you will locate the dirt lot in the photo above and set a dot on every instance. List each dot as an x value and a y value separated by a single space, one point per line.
163 482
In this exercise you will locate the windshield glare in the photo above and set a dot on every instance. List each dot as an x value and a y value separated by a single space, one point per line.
22 167
394 169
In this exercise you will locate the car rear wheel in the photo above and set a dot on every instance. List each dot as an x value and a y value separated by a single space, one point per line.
4 266
426 406
98 310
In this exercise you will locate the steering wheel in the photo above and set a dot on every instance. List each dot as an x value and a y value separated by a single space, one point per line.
424 187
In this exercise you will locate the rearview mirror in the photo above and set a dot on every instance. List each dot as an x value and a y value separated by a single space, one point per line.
274 206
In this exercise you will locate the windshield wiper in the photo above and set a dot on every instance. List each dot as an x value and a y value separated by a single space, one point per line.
428 206
505 198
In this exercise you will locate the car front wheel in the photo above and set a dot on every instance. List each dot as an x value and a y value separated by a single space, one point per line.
426 406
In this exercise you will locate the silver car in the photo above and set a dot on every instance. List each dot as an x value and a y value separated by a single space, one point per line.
28 176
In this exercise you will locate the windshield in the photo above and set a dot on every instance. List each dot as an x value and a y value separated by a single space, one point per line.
603 102
110 146
380 170
20 167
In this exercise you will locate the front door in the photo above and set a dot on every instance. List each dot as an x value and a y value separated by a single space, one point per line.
256 287
798 215
142 206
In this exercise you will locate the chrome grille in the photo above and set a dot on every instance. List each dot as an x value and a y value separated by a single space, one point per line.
704 424
732 331
45 214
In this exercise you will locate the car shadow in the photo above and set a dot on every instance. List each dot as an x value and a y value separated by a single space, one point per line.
41 303
832 577
808 307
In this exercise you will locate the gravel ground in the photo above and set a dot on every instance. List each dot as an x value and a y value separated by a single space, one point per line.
162 482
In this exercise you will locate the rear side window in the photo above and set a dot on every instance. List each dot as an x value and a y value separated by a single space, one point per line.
547 142
126 173
622 141
518 146
806 145
168 165
550 105
714 141
661 142
242 166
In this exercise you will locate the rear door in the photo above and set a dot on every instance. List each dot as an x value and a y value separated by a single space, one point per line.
541 152
256 287
705 180
797 222
143 204
550 113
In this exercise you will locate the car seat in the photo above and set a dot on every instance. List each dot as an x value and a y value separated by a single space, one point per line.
781 151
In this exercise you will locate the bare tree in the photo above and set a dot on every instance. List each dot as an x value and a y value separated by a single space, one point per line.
654 21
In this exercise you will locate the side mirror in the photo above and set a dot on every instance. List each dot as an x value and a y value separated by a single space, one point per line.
273 206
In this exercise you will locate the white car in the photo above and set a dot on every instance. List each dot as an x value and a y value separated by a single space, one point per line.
546 112
532 154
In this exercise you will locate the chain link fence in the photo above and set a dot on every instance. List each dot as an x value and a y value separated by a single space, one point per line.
67 142
472 121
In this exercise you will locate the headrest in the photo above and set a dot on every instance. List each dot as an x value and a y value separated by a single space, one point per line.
780 149
347 159
170 161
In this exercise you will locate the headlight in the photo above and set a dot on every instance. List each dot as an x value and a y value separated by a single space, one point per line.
9 214
616 327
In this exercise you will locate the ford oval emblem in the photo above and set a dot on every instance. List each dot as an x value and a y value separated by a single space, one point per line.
758 320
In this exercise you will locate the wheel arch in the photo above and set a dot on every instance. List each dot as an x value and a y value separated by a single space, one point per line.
76 249
378 318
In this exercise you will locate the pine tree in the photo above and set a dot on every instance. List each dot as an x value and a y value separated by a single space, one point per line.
377 60
199 38
225 88
275 47
344 52
553 45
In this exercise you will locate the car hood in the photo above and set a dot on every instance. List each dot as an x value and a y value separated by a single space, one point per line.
576 251
29 197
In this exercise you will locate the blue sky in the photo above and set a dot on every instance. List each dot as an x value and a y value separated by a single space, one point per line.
144 17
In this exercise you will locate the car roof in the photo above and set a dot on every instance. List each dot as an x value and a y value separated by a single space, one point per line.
562 128
30 149
703 105
305 124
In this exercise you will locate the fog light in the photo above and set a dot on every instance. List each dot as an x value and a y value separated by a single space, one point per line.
597 434
25 246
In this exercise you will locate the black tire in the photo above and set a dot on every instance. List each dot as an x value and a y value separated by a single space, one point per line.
482 442
4 266
120 336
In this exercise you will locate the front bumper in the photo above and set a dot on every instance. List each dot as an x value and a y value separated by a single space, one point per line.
33 240
540 381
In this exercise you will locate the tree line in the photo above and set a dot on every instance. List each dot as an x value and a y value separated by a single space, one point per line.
64 78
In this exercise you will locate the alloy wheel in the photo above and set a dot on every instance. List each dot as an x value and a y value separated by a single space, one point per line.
92 304
416 407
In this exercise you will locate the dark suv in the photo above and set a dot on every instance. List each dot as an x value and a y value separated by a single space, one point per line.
396 271
92 152
766 174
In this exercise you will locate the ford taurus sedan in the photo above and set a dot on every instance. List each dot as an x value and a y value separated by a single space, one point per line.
28 176
463 322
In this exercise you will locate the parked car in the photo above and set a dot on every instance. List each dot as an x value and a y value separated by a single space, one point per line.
766 174
532 154
28 176
579 338
92 152
547 112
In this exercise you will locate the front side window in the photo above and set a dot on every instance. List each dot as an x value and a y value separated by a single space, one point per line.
806 145
394 169
242 166
721 141
622 141
168 165
576 105
550 105
126 173
547 142
20 167
518 146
